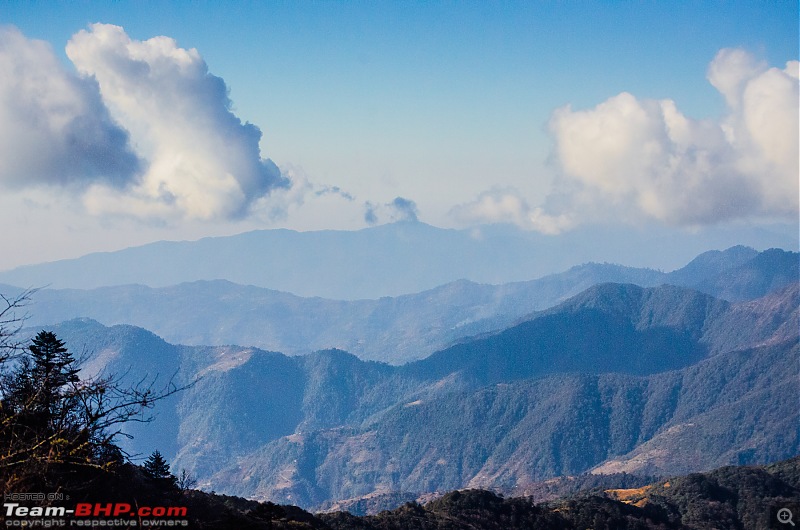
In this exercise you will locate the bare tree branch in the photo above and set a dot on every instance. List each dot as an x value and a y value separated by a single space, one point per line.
50 419
12 317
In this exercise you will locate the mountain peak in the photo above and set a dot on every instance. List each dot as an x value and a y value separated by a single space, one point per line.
714 262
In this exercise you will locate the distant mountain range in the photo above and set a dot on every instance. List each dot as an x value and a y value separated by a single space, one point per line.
387 260
394 330
597 371
620 378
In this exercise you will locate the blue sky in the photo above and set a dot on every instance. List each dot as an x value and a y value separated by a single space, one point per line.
448 105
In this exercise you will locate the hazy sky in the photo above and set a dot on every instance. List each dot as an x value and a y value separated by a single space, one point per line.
127 122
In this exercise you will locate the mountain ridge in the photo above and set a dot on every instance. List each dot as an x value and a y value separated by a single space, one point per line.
373 262
434 446
392 329
339 427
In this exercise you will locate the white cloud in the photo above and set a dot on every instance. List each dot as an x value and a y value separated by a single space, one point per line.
508 206
631 157
54 127
729 72
144 131
400 209
204 163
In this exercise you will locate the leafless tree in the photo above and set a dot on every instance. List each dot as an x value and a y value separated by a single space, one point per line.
52 422
12 318
185 481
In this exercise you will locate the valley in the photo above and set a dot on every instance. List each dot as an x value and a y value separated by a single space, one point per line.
616 378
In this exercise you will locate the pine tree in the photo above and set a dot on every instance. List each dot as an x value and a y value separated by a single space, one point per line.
52 372
54 364
55 426
40 392
41 411
156 467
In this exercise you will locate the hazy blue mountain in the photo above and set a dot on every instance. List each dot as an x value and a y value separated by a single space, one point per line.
577 387
623 328
738 273
390 329
387 260
710 264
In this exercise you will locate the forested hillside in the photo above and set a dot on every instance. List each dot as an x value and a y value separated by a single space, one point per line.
649 381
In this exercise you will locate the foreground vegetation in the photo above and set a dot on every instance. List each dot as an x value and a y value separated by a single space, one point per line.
742 497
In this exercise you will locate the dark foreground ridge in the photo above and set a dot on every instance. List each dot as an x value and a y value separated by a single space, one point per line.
730 497
740 497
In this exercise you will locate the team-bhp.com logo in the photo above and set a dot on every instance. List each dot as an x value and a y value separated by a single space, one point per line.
85 514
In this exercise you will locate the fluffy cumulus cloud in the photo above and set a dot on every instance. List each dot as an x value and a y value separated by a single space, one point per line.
646 158
143 129
54 127
629 159
203 162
